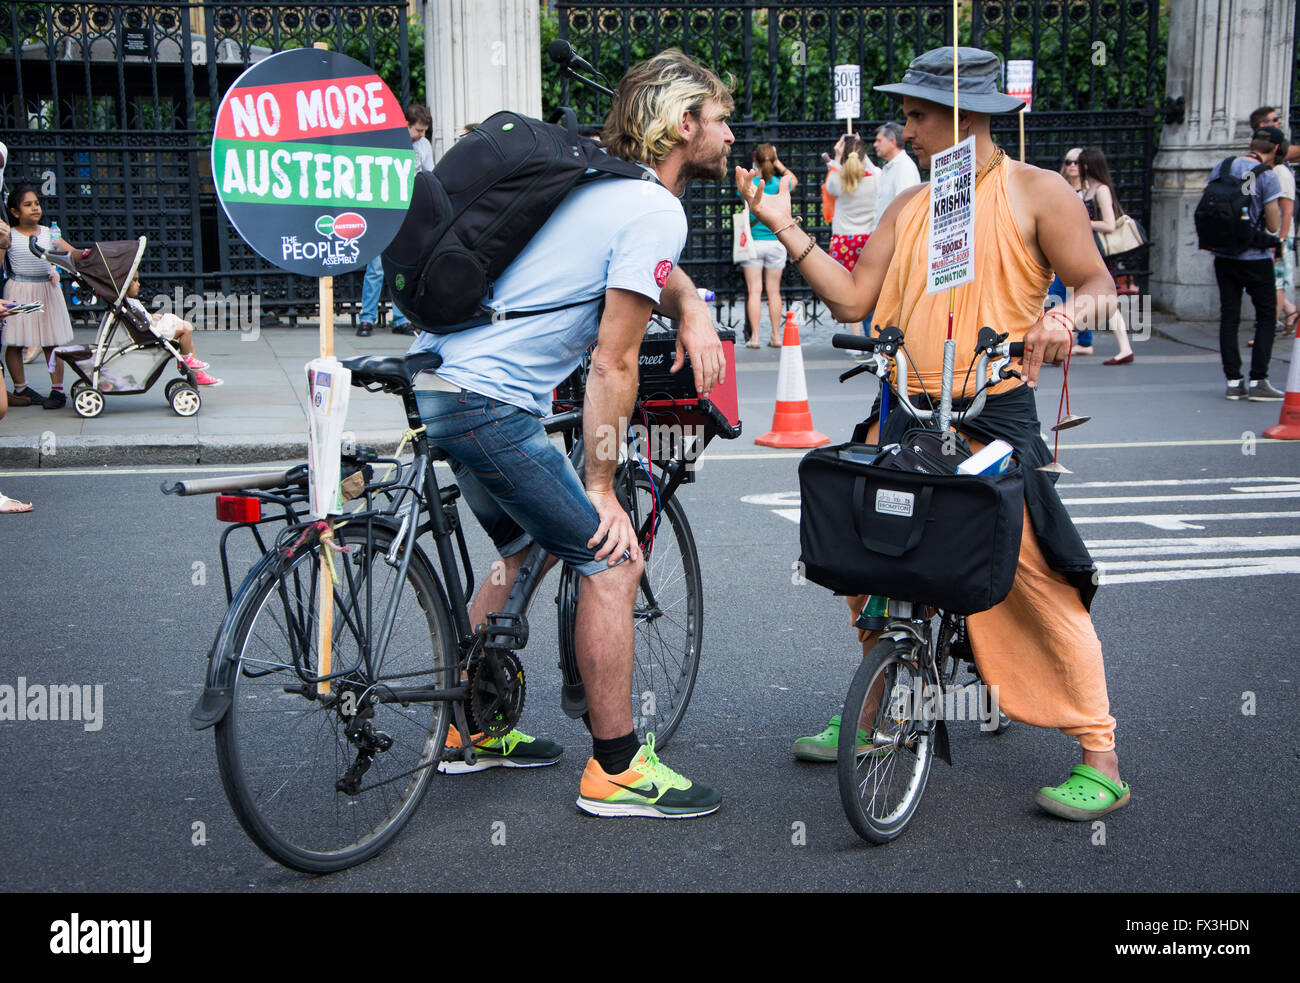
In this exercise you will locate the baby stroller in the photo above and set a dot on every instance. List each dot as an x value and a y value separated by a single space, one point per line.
126 358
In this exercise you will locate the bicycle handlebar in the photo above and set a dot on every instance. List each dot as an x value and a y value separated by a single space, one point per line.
237 482
889 344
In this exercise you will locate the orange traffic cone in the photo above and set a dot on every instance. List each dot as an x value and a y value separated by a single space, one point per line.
1288 423
792 424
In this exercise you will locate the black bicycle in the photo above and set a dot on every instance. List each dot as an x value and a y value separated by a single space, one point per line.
324 764
922 668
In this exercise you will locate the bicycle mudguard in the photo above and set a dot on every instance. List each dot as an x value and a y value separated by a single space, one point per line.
212 706
942 749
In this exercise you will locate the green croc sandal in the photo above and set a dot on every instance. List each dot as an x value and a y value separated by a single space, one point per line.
825 746
1085 795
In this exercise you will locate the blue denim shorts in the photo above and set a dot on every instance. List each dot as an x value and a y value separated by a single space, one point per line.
520 486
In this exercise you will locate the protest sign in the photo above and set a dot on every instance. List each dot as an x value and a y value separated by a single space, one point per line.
1020 81
312 161
848 91
952 217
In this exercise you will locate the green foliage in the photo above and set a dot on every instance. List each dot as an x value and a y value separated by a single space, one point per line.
791 52
387 61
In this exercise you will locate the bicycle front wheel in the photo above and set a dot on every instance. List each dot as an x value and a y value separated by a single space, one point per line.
321 782
884 763
668 617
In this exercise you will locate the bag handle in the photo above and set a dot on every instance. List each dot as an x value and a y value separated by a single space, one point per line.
884 546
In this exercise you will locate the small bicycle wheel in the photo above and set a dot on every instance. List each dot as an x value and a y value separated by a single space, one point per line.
668 618
882 776
323 782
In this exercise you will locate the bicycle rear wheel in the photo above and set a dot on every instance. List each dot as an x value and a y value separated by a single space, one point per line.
320 784
883 776
668 619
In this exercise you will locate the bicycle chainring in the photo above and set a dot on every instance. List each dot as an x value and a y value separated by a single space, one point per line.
496 691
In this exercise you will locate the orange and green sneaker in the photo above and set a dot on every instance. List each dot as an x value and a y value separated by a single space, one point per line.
647 788
515 750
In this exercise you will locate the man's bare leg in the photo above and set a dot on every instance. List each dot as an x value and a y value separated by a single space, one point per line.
604 640
495 590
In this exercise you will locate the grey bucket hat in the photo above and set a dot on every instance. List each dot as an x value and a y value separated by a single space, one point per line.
978 73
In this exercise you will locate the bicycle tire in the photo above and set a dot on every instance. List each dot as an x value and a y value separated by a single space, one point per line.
280 754
668 637
881 784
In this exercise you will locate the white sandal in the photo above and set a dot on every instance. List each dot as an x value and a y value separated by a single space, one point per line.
12 505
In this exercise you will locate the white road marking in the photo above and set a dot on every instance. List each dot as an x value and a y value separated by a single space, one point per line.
1101 548
1262 494
1148 560
1282 565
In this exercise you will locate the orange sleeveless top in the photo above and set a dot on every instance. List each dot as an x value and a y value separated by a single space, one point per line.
1007 293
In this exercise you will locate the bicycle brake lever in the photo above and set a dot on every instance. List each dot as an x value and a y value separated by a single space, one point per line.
857 370
1009 373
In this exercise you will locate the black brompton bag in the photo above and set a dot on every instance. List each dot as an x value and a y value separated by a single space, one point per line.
943 539
477 210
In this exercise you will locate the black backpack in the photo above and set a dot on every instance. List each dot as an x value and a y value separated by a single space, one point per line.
476 211
1223 222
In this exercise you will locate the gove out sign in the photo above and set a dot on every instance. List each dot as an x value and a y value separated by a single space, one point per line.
312 161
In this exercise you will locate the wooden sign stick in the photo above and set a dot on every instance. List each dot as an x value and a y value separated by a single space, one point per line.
326 637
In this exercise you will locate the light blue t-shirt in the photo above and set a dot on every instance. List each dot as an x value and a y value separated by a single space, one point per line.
613 232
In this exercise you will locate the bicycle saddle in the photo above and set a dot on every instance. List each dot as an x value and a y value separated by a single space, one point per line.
395 373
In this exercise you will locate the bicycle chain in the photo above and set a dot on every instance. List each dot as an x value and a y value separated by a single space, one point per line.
496 708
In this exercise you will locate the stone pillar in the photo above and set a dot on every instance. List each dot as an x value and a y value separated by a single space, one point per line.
1226 58
480 56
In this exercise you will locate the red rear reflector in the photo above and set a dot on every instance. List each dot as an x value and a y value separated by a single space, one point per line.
238 508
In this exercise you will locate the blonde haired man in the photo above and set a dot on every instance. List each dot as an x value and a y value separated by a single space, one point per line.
617 241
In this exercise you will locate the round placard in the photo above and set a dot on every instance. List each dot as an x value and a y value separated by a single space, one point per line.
312 160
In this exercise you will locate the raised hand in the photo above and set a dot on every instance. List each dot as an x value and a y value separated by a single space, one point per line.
773 211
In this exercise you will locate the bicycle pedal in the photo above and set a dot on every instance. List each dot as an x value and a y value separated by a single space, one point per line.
513 627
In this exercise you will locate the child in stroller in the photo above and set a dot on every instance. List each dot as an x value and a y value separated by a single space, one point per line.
168 325
131 350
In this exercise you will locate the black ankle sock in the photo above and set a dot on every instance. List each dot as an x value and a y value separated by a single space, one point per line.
615 755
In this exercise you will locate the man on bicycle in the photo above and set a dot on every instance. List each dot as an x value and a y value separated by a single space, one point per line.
617 240
1037 649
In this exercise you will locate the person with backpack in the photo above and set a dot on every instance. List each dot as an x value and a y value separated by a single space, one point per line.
592 272
1238 220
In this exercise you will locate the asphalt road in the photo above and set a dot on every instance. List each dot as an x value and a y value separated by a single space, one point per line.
1194 526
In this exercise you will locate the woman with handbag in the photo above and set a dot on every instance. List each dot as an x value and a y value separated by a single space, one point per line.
1070 171
764 272
1104 210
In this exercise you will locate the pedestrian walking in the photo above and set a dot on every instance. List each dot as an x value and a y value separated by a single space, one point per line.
1098 193
897 170
33 279
8 505
1284 264
763 274
852 183
1070 171
1243 255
